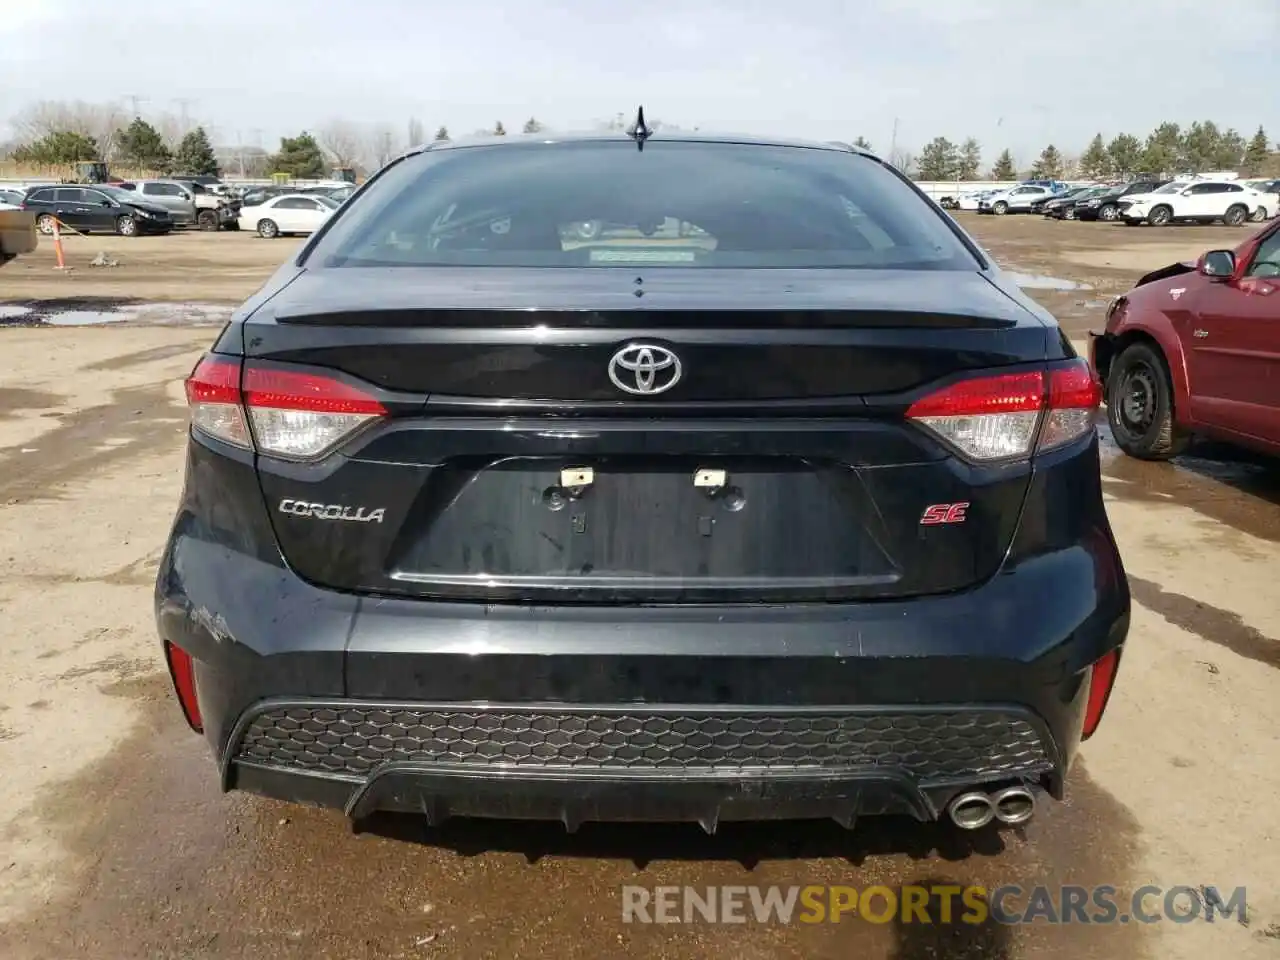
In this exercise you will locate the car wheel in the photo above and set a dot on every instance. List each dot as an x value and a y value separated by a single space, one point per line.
207 219
1068 214
1140 405
1235 215
231 225
45 223
126 226
1000 208
1108 213
1159 216
1259 215
267 229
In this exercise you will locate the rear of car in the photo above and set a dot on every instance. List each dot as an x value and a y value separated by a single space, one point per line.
771 498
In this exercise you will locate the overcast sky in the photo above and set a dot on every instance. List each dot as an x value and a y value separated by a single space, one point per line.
1015 73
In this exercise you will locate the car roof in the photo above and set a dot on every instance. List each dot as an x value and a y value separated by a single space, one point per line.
658 136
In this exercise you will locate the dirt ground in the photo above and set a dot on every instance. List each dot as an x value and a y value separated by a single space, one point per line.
116 844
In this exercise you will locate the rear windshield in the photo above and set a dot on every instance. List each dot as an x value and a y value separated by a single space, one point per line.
674 204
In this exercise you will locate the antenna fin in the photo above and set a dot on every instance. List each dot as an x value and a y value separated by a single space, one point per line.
639 131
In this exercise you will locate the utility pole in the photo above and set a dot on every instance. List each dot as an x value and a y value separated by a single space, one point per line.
183 103
893 140
134 101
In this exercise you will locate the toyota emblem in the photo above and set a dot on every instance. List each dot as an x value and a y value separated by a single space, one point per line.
645 369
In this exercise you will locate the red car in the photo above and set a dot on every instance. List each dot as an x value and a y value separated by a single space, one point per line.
1194 348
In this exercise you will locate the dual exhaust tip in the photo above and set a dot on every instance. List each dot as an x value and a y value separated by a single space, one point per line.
1010 806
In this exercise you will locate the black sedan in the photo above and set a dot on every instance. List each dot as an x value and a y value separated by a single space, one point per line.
775 499
1106 205
1042 205
96 209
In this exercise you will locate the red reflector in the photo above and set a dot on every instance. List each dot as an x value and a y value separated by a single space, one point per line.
290 390
1005 393
214 380
183 673
1074 387
1102 678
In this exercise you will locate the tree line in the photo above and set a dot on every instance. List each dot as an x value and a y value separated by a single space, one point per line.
56 133
1169 149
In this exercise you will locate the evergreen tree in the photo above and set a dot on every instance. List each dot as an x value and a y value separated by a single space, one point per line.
300 157
1125 154
862 143
1164 150
970 161
1048 165
1095 162
59 147
195 155
499 130
442 134
1230 152
140 145
1256 154
939 160
1004 168
530 126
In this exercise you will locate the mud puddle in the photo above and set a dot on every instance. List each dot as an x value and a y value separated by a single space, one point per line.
90 311
1040 281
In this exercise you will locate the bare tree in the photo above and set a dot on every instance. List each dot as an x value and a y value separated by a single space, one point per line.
98 120
417 133
341 140
170 127
904 160
381 145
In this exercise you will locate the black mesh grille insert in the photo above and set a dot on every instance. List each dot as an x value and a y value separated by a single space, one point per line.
353 739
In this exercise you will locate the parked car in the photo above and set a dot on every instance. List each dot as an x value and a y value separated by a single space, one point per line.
1194 348
100 208
1044 204
1105 204
1270 189
287 214
1200 201
175 197
255 196
481 520
205 180
1014 200
971 200
11 196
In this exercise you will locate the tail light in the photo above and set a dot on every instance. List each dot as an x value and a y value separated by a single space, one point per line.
1012 415
291 414
1101 679
182 670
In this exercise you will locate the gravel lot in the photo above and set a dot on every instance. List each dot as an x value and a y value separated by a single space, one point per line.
115 842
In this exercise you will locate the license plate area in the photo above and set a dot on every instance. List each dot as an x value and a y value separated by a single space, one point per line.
647 526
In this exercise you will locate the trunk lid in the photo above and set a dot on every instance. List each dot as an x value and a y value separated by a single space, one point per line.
778 467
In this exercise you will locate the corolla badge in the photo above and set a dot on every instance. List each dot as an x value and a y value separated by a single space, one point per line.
645 369
332 511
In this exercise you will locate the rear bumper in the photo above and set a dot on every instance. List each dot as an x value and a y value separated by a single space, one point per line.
918 700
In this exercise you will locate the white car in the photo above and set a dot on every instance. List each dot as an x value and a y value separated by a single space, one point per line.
1270 189
288 213
1202 201
970 201
1014 200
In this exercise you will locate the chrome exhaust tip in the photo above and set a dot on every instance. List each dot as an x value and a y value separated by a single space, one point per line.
1014 805
971 811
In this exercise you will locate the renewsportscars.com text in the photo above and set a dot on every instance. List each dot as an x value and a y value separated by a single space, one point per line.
939 903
